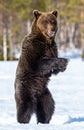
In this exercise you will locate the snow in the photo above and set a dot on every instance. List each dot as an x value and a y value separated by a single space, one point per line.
68 92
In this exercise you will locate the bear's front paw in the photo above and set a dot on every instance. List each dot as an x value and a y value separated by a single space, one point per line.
62 64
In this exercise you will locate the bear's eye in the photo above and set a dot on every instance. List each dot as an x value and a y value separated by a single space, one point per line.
53 22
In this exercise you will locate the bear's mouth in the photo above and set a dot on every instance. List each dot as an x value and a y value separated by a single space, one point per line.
51 34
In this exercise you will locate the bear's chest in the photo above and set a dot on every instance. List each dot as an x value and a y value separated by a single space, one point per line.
43 49
50 52
45 52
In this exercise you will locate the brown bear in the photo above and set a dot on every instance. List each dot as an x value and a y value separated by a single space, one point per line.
37 62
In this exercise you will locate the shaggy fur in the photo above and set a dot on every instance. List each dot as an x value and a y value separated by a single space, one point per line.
38 60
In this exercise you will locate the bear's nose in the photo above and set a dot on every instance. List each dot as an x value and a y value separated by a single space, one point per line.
53 29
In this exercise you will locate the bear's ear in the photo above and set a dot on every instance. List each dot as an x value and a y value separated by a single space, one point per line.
36 13
55 12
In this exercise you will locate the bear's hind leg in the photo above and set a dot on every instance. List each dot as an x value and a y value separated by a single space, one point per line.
24 113
23 103
45 107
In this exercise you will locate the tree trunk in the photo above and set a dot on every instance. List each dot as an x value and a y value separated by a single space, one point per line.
10 44
10 38
4 44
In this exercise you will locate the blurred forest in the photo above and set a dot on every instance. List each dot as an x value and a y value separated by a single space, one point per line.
16 17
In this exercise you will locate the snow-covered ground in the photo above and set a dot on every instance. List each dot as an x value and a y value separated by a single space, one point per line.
68 92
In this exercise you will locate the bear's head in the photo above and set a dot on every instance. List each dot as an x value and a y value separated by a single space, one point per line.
46 23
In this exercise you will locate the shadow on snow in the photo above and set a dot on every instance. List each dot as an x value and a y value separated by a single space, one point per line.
71 120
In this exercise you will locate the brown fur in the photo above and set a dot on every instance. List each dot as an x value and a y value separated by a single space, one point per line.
38 60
